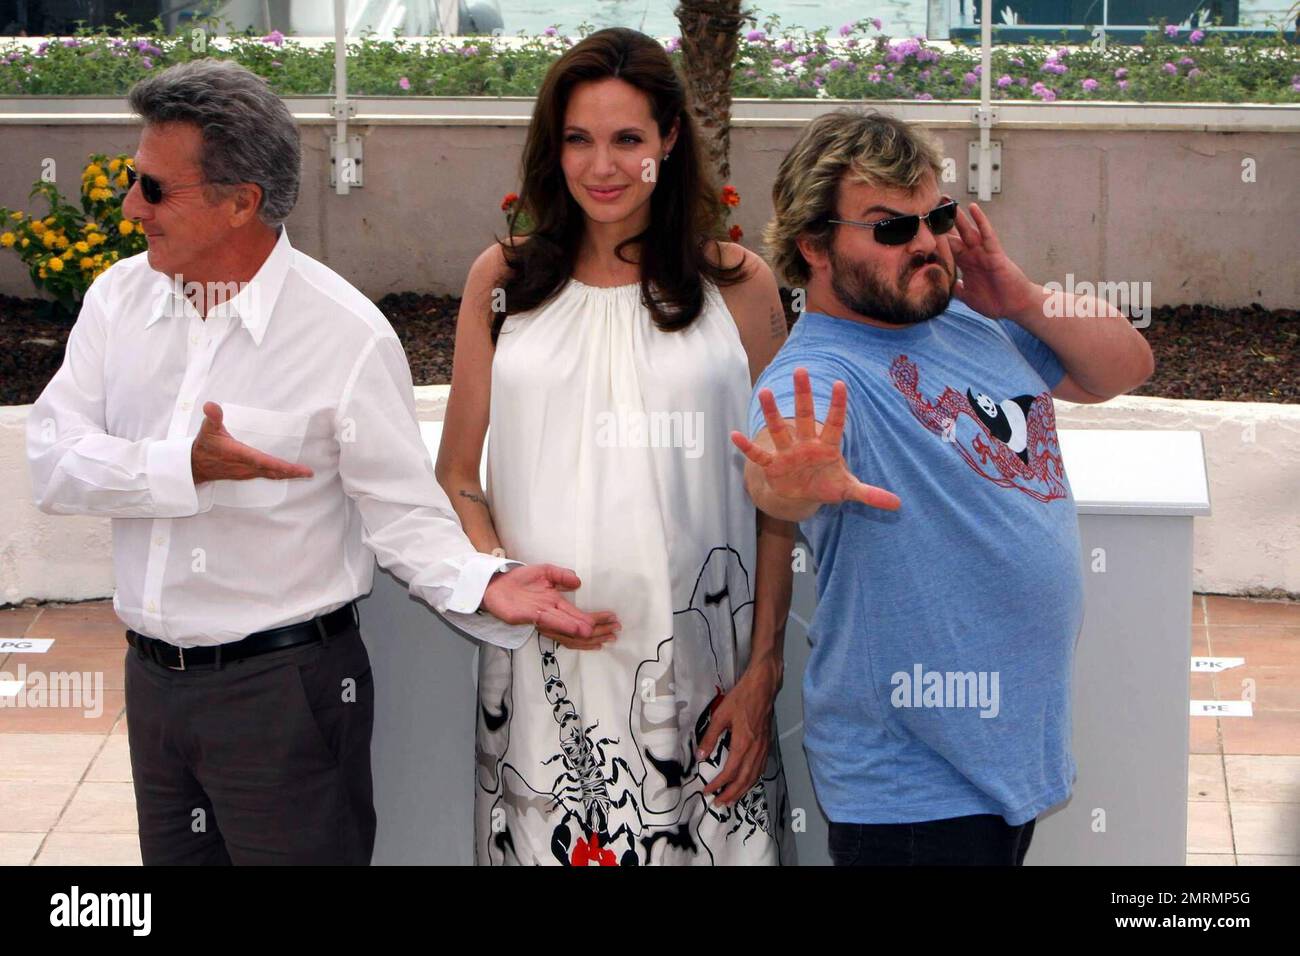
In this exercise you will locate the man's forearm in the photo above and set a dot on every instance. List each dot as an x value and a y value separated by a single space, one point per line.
1097 345
98 474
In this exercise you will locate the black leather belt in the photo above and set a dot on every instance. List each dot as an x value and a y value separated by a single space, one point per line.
263 642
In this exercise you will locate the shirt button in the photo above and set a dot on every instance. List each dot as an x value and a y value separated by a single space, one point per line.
186 406
158 541
151 607
194 340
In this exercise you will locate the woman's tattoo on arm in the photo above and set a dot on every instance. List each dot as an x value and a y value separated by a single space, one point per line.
779 328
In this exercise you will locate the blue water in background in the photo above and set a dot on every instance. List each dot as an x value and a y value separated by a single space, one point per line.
900 18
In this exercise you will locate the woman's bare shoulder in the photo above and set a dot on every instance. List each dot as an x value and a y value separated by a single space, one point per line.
728 255
756 280
491 268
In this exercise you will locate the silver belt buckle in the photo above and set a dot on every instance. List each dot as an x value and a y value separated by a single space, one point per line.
181 652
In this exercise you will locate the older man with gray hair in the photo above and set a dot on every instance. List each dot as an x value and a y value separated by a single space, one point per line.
246 418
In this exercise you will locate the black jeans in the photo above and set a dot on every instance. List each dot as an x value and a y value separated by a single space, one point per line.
264 760
982 840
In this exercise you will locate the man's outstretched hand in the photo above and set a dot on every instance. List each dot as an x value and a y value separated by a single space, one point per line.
532 595
803 465
215 455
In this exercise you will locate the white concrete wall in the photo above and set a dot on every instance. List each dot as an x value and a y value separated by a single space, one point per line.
1250 544
1167 207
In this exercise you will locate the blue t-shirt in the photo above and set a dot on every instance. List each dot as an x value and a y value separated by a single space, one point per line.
938 684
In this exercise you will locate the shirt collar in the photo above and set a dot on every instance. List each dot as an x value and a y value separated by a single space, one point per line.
253 303
168 301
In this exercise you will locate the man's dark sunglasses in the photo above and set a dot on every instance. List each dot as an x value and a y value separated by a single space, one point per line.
150 188
900 229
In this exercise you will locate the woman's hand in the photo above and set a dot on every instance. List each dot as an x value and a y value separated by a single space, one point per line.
747 713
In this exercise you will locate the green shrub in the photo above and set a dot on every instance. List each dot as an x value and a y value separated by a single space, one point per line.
70 247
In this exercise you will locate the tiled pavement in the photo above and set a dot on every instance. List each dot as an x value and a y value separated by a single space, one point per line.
1244 776
65 773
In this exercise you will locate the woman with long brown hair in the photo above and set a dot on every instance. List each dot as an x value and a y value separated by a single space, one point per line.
611 350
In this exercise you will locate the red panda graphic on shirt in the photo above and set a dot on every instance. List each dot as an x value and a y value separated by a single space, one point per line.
1011 442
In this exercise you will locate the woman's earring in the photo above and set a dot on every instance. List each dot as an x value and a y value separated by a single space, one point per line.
665 157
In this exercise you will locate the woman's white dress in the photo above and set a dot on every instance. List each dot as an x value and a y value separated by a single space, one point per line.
608 453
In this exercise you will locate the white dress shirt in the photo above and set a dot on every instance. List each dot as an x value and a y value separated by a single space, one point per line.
306 369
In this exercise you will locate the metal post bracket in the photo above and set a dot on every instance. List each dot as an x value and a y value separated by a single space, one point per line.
355 160
995 167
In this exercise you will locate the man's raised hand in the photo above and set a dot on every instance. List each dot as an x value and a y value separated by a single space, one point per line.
991 283
215 455
804 465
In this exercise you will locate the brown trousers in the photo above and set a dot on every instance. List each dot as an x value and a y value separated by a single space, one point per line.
260 761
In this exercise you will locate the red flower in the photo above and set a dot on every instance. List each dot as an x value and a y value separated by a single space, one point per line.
729 196
508 201
587 851
735 232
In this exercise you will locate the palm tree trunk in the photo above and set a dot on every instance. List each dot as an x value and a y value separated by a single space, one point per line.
710 39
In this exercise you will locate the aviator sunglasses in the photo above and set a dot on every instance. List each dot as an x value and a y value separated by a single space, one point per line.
900 229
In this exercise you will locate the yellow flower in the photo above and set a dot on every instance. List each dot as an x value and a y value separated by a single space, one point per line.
8 239
55 265
38 227
139 227
25 243
60 242
16 216
95 238
93 170
125 227
121 181
87 262
49 239
42 272
49 220
67 255
101 180
83 247
114 165
101 195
